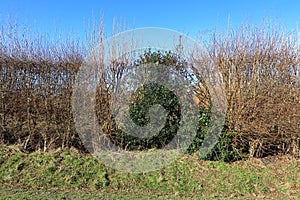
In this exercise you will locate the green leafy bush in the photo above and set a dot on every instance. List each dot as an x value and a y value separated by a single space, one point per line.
225 149
147 96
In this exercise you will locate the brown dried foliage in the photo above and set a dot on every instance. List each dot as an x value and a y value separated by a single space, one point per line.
36 87
260 69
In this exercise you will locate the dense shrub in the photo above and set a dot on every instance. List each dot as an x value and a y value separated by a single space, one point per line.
259 66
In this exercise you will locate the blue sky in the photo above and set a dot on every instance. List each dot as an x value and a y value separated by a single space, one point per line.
72 18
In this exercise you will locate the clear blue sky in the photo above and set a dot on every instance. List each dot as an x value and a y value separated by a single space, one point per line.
71 17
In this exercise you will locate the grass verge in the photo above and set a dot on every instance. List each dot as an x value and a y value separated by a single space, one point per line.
68 174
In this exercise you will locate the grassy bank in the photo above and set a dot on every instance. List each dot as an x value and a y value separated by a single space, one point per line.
63 174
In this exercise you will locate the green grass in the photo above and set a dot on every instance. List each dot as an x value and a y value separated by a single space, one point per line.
54 194
63 174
